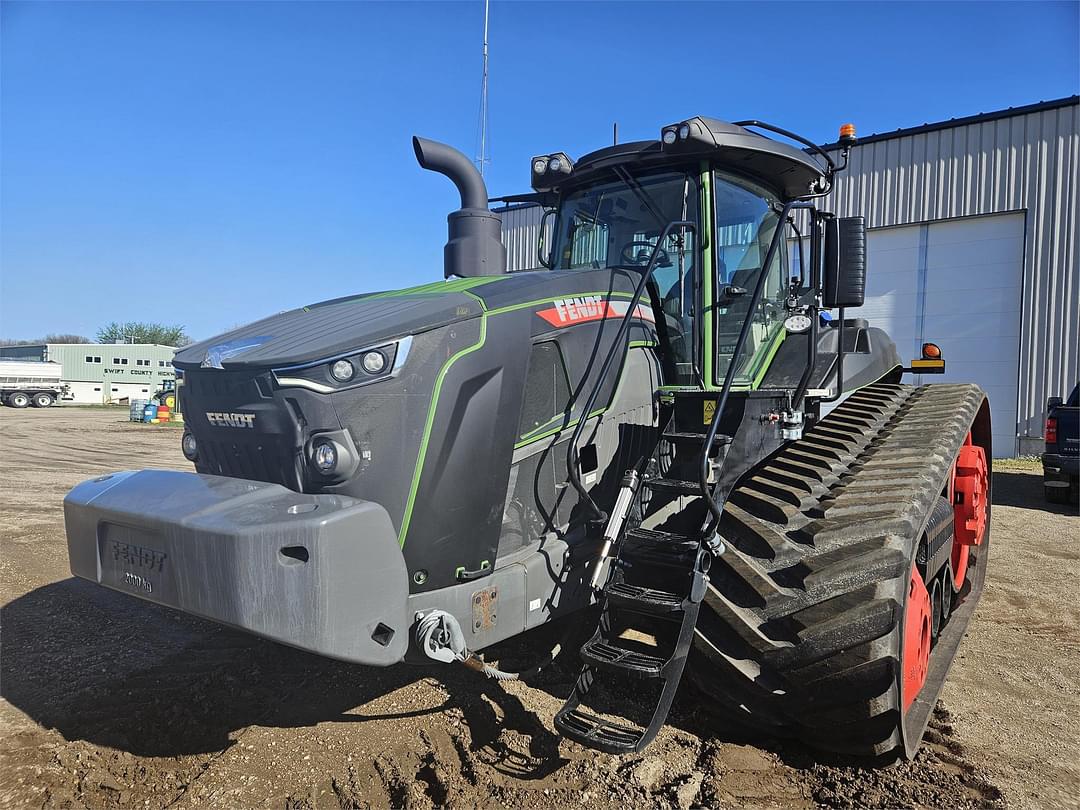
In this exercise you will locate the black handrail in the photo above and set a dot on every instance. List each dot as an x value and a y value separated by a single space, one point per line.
780 131
729 378
572 456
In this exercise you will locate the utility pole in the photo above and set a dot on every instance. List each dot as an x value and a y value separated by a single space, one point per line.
481 158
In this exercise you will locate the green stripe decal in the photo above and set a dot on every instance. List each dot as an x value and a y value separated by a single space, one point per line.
604 294
407 517
437 287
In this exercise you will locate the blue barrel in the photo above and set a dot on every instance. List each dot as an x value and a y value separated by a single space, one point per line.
149 412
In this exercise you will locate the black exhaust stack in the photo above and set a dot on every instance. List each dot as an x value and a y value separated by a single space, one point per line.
475 245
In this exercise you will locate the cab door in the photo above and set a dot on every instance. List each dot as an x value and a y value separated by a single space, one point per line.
744 218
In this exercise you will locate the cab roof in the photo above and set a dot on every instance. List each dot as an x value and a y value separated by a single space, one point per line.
776 164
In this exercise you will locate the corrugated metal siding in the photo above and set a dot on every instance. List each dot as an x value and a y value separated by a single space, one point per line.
521 229
1025 163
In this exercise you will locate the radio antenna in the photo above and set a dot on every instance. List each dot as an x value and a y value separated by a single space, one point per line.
481 158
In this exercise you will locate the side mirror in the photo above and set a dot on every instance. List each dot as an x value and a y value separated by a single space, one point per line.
545 239
1053 402
844 279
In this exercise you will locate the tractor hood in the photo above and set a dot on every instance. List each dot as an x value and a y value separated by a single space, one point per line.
332 327
319 331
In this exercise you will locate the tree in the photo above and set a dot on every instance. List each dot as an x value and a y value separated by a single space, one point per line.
138 332
51 338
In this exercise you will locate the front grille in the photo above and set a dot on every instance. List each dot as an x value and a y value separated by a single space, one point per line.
267 459
268 450
235 386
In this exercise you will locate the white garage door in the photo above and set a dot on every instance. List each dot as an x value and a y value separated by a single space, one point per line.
956 283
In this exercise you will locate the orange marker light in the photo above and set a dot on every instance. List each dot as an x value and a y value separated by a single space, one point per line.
847 130
931 351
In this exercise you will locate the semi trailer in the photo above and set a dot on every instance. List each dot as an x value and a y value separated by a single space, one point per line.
674 428
29 382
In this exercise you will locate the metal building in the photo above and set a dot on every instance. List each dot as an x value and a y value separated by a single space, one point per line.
973 239
103 373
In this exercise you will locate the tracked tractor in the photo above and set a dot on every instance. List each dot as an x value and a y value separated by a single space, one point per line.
675 427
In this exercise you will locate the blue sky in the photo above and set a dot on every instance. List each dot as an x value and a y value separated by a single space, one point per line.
208 164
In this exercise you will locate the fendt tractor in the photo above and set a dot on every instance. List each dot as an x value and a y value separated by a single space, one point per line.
673 426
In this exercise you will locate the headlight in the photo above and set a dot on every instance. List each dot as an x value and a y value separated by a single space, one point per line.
324 457
669 136
540 165
342 371
684 132
373 362
555 165
189 446
364 366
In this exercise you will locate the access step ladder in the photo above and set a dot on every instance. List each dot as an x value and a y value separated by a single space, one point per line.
658 581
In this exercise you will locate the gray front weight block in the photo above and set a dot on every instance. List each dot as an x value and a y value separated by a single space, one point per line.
320 572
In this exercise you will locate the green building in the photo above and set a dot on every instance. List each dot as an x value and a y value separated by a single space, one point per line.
103 372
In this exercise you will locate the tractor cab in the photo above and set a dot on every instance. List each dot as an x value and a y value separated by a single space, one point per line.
727 266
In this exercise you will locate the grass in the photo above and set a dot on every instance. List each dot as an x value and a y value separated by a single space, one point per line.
1021 464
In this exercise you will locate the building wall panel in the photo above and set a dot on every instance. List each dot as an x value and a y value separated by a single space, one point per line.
1027 162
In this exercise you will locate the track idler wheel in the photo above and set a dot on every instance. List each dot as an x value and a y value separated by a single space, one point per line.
936 600
918 626
947 591
969 489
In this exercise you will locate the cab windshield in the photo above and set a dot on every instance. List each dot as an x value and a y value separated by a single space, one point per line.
618 224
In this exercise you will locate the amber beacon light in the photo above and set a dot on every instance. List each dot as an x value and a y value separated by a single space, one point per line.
931 361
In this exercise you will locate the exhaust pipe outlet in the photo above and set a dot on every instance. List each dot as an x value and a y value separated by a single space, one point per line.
474 246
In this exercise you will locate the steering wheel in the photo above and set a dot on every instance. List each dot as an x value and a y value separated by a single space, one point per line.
641 259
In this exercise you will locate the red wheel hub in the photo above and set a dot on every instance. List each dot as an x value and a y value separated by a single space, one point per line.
969 490
917 625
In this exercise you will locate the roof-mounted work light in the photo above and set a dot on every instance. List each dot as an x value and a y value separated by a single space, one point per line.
548 171
691 135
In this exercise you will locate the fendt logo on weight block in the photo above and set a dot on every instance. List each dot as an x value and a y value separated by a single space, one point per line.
236 420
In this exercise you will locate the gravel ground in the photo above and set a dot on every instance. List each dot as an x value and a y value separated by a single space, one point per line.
112 702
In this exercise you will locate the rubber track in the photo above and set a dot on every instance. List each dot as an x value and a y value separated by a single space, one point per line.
801 628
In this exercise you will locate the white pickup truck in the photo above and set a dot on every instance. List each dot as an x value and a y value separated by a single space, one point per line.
29 382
